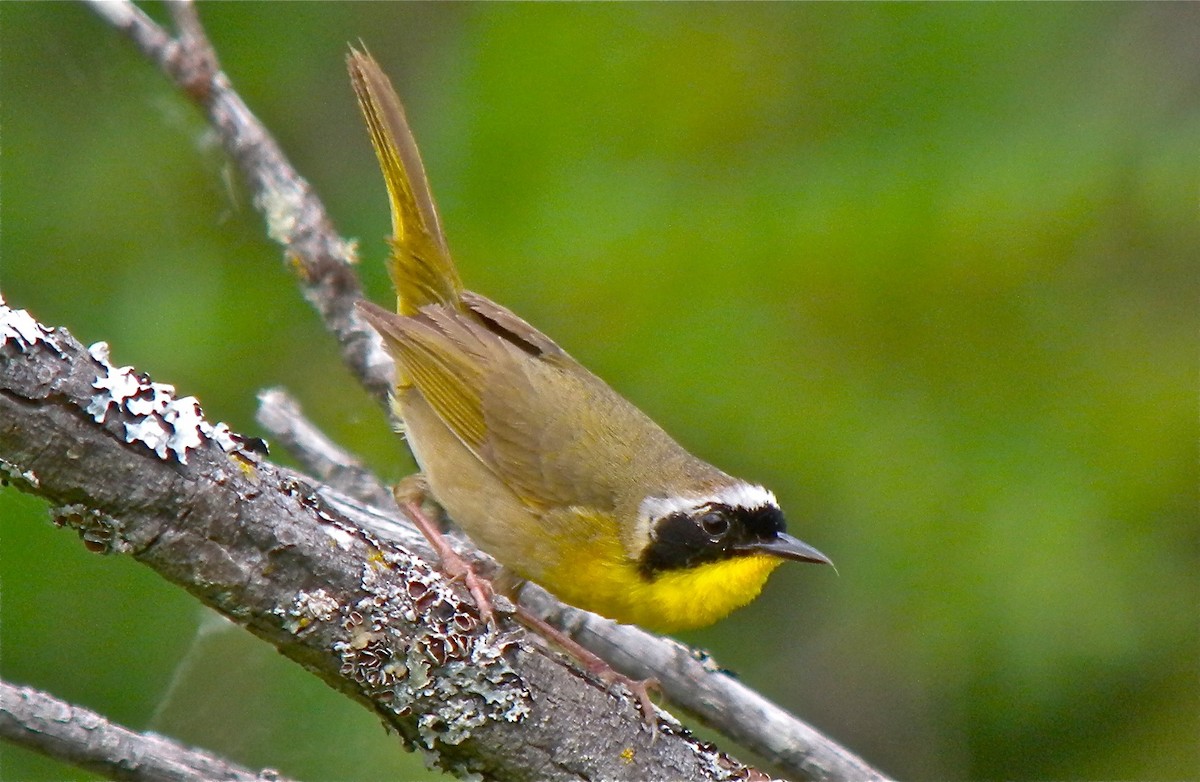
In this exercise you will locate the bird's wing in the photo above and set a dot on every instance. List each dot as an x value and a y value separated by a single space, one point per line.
520 404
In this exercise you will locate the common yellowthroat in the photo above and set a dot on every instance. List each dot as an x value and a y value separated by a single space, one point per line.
543 465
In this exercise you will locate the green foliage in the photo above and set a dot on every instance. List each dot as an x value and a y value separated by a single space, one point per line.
929 271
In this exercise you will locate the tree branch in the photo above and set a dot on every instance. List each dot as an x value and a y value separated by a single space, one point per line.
82 737
294 216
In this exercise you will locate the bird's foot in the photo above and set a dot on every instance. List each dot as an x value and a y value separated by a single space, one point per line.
409 495
597 666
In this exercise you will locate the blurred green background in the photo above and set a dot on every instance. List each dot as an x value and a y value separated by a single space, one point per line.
929 271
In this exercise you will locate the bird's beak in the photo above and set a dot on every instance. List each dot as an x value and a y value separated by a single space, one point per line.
785 546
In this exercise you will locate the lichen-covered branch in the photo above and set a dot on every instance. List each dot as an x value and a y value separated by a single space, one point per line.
73 734
263 547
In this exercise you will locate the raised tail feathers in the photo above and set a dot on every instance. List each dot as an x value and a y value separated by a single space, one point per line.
419 264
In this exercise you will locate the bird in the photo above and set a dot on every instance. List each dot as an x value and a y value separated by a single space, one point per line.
541 463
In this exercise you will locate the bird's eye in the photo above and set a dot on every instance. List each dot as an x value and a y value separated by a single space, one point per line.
714 523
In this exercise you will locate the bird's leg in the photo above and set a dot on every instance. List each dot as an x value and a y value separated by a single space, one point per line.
409 494
596 665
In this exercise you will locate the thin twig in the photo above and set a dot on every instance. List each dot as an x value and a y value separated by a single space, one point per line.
81 737
279 414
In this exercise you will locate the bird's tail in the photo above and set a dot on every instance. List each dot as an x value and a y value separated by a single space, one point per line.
420 264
